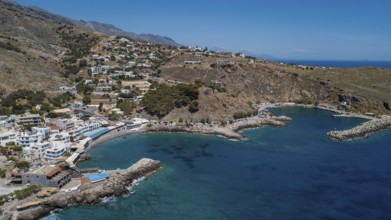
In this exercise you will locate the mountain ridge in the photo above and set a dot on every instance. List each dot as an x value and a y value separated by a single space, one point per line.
111 29
108 29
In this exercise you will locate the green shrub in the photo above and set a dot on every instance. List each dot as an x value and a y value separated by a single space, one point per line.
161 101
22 165
23 193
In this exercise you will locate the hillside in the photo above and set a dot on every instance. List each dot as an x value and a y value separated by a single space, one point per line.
34 48
364 89
42 51
31 53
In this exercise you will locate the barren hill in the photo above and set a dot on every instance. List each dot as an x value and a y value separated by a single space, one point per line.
31 48
42 51
246 82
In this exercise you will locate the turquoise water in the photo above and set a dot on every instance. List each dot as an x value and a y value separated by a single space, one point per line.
294 172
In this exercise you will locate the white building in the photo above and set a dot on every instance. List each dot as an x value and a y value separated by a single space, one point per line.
36 152
192 62
84 127
29 119
63 137
46 150
56 150
123 40
29 139
8 138
117 111
125 91
137 123
41 130
144 65
63 123
67 88
95 70
6 123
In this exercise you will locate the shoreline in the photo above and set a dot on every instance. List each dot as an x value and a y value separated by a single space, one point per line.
368 128
119 183
231 131
110 136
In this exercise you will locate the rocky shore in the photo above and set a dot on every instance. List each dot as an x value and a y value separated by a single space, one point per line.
117 184
362 130
230 131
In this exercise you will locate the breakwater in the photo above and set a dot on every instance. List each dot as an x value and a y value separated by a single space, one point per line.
362 130
230 131
117 184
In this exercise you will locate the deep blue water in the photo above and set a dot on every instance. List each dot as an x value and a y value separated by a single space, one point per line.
340 63
294 172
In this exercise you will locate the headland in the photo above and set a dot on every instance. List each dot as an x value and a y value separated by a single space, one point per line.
106 184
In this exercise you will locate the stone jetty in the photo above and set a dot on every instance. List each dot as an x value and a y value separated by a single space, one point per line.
258 122
119 183
230 131
362 130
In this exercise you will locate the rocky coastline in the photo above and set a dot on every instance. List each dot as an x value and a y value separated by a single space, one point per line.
119 183
363 130
230 131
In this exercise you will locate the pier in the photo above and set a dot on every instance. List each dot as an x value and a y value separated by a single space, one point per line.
362 130
92 190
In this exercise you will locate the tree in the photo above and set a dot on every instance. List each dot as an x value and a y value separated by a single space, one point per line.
82 63
45 107
22 165
100 108
86 100
193 107
114 117
161 101
2 173
126 107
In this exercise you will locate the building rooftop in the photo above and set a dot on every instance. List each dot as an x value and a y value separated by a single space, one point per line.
97 177
47 170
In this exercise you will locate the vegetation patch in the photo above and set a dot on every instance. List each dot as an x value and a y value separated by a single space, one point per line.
238 115
18 102
161 101
9 46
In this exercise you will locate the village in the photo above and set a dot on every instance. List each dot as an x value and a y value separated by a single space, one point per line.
40 144
39 149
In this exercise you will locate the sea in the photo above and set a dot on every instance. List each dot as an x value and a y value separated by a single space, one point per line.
340 63
295 172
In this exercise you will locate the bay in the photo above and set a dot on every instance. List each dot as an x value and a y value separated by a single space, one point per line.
295 172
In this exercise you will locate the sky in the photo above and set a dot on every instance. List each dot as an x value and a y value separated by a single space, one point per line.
286 29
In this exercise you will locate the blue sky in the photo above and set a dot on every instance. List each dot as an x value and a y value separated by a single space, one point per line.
289 29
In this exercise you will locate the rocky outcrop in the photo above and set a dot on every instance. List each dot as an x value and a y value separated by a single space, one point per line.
197 129
229 131
257 122
362 130
116 185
